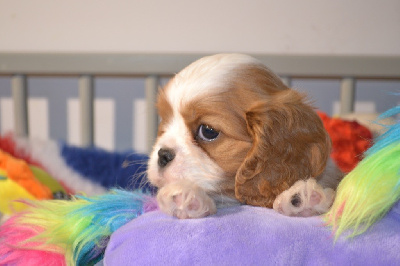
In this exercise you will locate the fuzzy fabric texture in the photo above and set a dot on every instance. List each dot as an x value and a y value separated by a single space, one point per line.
78 230
12 235
10 192
350 140
109 169
47 155
368 192
18 171
246 235
89 171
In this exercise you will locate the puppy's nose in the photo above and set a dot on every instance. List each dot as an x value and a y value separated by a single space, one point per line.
165 155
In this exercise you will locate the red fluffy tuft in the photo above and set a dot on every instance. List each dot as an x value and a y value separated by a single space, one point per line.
349 141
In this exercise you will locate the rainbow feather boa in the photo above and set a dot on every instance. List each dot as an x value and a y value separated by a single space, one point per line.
57 232
368 192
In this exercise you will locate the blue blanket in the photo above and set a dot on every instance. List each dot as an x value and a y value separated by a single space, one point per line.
246 235
109 169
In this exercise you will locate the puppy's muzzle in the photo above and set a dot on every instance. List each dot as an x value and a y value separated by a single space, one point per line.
165 155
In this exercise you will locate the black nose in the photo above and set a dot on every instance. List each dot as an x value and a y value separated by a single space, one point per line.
165 155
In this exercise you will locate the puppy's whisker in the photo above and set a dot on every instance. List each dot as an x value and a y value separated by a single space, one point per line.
138 179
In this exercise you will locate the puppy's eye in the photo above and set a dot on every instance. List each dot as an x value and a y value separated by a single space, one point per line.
207 133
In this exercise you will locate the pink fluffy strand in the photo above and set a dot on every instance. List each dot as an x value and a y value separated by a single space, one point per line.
15 251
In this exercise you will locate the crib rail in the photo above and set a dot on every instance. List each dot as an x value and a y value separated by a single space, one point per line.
153 66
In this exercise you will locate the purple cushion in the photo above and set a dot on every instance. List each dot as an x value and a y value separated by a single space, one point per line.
247 235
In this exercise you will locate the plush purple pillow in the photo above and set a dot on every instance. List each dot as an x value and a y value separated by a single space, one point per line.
246 235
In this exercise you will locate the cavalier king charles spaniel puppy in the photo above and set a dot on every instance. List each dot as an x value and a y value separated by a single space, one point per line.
232 132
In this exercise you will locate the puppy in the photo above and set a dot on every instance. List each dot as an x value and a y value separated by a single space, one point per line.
231 132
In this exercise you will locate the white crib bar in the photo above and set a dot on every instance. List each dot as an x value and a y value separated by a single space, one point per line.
20 98
347 95
152 85
86 98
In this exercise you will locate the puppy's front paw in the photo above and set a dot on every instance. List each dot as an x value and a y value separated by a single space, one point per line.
185 201
304 198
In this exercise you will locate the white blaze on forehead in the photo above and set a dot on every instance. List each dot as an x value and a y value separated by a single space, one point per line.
204 76
177 135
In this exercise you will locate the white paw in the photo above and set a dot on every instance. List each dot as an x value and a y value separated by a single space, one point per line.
185 201
304 198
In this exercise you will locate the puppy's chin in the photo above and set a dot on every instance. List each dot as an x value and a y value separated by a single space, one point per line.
187 182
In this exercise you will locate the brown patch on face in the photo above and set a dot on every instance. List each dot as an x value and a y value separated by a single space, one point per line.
164 108
231 146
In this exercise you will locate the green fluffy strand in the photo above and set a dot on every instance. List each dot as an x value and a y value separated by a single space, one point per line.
368 192
80 228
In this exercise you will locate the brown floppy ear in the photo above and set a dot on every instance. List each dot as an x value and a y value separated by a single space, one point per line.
289 144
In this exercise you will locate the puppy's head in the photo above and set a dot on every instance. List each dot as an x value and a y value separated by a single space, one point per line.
230 126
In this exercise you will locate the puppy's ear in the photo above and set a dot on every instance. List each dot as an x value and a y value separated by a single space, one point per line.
289 144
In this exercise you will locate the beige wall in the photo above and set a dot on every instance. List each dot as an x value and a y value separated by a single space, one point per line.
253 26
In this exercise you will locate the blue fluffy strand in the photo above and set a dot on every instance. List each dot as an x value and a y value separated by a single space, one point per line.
392 134
107 213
